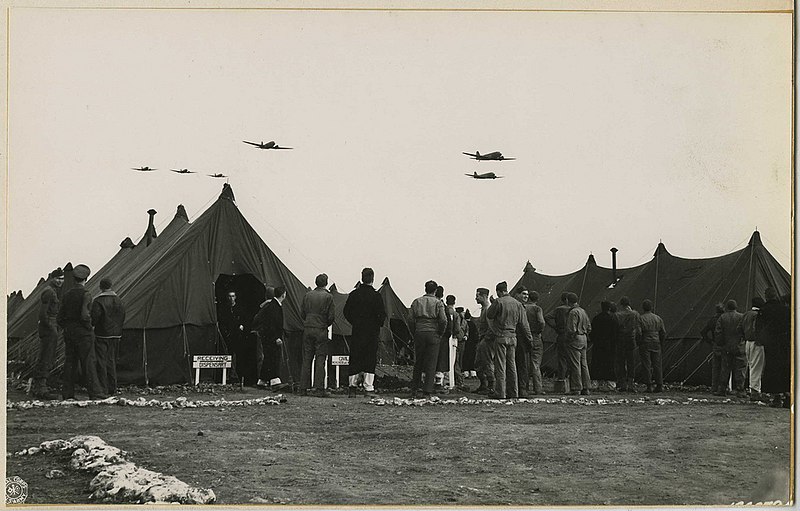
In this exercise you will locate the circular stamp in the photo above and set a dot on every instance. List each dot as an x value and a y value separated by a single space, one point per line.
16 490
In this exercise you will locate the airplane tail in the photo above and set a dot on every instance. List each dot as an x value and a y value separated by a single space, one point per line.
474 174
477 154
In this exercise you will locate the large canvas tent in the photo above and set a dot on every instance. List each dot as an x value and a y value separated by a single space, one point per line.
684 292
170 284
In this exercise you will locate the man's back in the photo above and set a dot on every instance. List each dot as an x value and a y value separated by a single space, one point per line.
108 315
728 328
318 309
364 308
652 327
428 315
603 330
626 327
535 317
505 314
75 308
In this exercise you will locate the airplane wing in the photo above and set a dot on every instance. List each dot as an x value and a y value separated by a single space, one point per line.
178 171
504 158
470 154
251 143
470 175
279 147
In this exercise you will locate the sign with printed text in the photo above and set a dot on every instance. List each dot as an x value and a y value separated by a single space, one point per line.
212 361
340 360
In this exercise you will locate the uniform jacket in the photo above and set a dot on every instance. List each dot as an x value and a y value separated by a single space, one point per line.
557 318
364 310
427 315
318 310
578 327
652 328
506 314
626 328
708 331
49 306
268 322
747 328
75 309
535 318
727 331
108 315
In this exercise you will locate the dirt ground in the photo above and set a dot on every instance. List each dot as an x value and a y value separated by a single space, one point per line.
347 451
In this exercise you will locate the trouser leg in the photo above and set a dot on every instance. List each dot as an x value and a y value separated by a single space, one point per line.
630 367
716 368
369 382
644 357
586 379
756 365
512 382
536 363
48 339
658 368
101 357
459 376
726 364
111 365
70 368
308 356
619 369
419 363
574 368
321 345
429 367
521 366
739 367
499 355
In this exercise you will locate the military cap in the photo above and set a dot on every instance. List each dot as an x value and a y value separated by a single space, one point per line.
81 272
58 272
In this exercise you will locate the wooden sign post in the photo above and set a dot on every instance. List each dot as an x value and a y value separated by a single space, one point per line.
212 362
339 360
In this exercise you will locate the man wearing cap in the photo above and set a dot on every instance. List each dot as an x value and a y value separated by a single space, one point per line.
626 331
48 334
728 335
602 344
578 329
318 313
650 343
754 350
557 320
536 322
364 310
523 349
108 316
484 360
75 318
427 320
506 315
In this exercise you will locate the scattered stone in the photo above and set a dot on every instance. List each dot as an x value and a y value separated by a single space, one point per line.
199 433
55 474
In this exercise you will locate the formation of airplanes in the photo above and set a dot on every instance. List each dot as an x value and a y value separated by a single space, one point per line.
492 156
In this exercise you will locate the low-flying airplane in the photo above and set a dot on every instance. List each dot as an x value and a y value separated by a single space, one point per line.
497 156
487 175
269 145
217 175
183 171
143 169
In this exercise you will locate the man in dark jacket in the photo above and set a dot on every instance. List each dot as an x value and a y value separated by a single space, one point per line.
231 326
626 331
364 310
318 313
108 316
729 336
557 320
48 334
268 324
773 330
717 350
602 344
76 319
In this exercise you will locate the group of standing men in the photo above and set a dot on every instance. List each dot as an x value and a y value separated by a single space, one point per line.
92 328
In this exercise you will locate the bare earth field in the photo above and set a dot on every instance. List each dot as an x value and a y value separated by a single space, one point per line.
345 451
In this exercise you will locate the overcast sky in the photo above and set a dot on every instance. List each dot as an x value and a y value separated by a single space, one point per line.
628 128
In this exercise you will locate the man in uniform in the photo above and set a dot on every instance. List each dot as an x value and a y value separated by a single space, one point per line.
461 333
428 321
717 351
557 320
318 313
578 328
728 335
268 324
443 357
76 319
108 316
650 344
48 334
364 310
754 350
523 349
602 344
536 322
484 361
626 332
506 315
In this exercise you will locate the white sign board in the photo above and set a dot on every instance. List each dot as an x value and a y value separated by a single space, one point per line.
223 362
340 360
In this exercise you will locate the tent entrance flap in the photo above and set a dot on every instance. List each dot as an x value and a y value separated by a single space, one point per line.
238 298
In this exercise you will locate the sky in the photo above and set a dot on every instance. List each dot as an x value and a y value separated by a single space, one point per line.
627 128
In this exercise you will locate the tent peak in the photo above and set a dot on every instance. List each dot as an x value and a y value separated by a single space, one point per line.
227 193
528 267
590 261
127 243
755 239
181 213
333 289
660 249
385 282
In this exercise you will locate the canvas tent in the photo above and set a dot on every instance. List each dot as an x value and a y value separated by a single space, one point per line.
170 284
684 292
13 301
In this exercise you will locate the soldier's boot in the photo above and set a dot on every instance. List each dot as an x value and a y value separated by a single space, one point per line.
631 386
40 390
482 389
